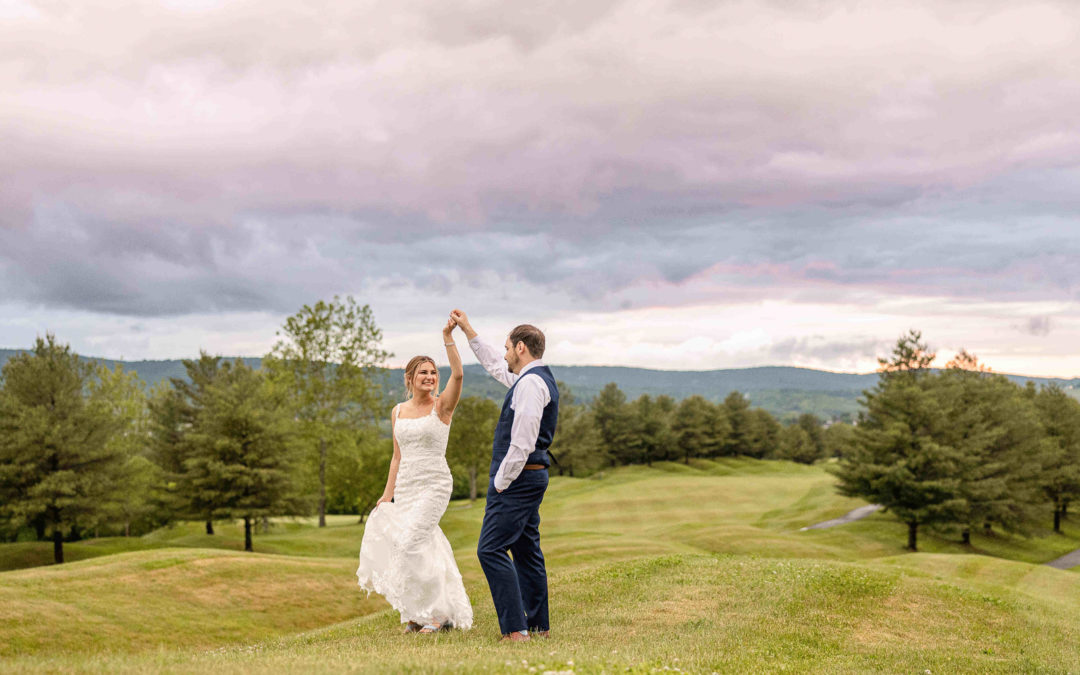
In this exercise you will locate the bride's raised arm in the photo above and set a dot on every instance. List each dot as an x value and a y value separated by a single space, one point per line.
452 393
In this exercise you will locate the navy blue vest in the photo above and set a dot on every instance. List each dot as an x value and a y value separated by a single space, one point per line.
547 422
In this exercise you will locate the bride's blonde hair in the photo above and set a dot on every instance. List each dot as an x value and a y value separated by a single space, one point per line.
410 371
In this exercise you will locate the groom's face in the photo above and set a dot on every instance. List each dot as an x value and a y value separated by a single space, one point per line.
513 359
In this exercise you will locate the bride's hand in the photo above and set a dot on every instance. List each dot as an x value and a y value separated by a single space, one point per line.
448 329
382 500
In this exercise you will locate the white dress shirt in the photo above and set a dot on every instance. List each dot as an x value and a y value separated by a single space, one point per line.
528 403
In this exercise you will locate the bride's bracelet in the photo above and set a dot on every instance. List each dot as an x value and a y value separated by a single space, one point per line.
449 344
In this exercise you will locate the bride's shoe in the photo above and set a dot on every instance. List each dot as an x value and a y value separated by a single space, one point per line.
436 627
412 627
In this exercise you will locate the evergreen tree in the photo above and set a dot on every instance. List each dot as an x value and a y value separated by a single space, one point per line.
997 429
469 450
762 435
1059 417
577 445
812 426
737 412
649 425
615 424
60 463
328 358
899 459
796 445
241 458
175 411
699 428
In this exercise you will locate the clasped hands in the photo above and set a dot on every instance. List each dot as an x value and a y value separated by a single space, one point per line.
458 319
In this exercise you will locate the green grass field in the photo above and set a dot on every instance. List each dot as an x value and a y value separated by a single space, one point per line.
699 569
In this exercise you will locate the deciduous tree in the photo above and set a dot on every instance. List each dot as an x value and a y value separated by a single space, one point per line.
328 357
469 449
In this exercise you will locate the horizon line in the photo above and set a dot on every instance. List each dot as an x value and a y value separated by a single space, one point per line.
592 365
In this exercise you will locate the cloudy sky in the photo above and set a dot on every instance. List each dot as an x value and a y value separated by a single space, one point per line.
682 185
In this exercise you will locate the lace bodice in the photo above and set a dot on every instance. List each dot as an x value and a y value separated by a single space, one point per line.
421 437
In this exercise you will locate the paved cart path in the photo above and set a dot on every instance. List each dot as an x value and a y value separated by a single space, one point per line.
849 517
1067 561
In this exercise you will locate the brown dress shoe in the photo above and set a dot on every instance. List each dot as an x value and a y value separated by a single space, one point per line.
514 637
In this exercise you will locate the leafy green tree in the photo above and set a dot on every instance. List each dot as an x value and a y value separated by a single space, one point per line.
375 460
329 358
469 449
838 438
241 457
360 464
899 459
60 464
1059 416
140 503
699 428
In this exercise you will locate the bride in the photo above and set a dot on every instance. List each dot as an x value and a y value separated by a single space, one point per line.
404 555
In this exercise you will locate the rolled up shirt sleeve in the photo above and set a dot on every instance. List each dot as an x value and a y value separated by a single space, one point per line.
530 398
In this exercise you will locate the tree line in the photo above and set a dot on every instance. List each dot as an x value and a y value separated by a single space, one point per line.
89 451
611 430
86 451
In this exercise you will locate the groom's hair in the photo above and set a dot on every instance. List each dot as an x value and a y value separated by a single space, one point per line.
533 338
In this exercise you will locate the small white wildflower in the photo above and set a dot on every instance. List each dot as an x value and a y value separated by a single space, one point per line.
571 661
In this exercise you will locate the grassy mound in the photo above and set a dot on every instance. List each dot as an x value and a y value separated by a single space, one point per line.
172 598
697 613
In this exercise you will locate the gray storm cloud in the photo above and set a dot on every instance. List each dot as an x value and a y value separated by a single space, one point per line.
160 158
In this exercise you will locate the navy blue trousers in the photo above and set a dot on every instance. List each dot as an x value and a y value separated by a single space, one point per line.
512 528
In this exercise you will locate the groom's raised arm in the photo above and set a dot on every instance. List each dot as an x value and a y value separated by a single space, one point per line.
488 356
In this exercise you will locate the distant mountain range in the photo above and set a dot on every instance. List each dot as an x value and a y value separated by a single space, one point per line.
782 390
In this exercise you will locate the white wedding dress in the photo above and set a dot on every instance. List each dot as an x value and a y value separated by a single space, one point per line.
404 556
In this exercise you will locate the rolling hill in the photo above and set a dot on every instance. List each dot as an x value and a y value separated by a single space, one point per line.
696 568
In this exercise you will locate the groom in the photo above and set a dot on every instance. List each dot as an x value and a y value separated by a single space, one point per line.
519 478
